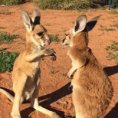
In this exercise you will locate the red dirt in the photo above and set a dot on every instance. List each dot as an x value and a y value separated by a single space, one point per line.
54 91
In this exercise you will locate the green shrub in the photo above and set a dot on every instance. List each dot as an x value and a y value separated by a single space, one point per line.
75 4
113 51
54 38
64 4
11 2
107 29
7 60
49 4
115 25
6 12
5 37
114 12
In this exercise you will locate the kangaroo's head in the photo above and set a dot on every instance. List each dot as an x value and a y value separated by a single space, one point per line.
78 35
35 31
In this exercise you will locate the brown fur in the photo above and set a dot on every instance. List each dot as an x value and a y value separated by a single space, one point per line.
26 71
92 89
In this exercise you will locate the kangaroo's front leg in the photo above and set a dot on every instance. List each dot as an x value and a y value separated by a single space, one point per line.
71 71
42 52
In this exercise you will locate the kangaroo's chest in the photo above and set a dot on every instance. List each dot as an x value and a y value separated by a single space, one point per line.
31 69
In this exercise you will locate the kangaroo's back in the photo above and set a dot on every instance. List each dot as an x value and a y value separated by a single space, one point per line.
92 89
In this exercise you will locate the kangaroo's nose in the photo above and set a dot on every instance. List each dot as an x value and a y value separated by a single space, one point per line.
48 41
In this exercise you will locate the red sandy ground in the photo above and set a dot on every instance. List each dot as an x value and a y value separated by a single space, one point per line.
54 91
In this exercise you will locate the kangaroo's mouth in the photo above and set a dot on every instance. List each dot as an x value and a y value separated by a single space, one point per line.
65 44
47 42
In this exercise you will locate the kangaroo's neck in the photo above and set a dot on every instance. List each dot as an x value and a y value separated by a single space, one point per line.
31 48
81 40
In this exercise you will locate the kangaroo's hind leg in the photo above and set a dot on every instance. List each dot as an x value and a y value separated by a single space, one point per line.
36 106
18 90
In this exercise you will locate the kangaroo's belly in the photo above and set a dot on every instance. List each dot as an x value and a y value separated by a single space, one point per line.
27 94
30 87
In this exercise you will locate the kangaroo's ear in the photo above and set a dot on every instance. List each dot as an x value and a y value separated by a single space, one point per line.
80 23
27 21
36 17
91 24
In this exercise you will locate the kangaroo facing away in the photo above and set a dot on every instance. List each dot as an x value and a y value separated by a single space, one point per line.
92 89
26 71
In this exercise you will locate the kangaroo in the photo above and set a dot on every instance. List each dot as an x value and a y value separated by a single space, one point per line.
26 71
92 89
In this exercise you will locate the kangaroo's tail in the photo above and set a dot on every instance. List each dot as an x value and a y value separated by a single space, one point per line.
8 95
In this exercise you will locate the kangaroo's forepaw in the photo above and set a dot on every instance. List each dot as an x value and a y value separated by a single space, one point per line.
49 51
53 57
69 75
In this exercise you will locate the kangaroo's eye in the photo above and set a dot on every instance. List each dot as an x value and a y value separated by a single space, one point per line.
67 35
40 33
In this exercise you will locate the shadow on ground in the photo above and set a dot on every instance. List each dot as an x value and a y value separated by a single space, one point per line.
111 70
8 90
50 98
62 92
113 113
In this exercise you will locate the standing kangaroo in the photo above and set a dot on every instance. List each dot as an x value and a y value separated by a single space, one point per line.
92 89
26 71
